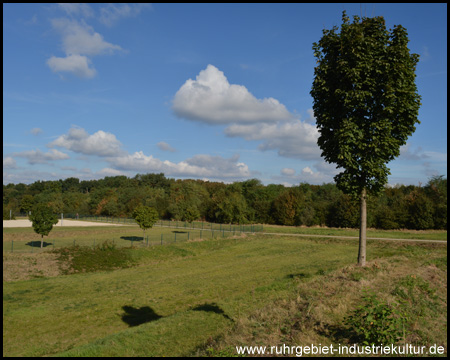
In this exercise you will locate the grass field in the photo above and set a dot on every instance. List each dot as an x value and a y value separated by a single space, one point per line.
26 240
205 297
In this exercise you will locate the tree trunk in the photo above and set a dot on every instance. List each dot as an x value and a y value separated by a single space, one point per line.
42 241
362 231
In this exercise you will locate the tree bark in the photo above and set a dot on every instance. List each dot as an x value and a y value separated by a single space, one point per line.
362 231
42 241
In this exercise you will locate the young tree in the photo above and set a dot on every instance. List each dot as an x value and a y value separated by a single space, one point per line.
366 104
43 219
145 216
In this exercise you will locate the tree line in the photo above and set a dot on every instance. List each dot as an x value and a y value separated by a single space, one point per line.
401 207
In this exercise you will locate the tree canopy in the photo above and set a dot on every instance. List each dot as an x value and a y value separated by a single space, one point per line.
366 103
145 216
43 219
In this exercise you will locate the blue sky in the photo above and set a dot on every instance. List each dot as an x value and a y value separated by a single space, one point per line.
206 91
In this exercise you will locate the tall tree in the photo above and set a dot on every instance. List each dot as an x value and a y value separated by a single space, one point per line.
43 219
366 104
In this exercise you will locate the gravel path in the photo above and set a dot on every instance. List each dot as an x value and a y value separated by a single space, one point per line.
27 223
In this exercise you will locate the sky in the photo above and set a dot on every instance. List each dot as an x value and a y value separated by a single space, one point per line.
217 92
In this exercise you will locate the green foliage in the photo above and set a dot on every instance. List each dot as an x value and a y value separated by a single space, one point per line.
397 207
8 215
26 204
145 216
343 213
365 99
103 257
420 210
43 219
286 207
376 322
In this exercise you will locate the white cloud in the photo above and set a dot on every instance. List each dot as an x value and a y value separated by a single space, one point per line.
109 172
36 131
212 99
165 147
107 146
76 64
307 170
100 143
293 139
77 9
407 153
287 172
39 157
9 163
112 13
79 40
199 166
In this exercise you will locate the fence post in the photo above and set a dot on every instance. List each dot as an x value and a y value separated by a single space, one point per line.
161 239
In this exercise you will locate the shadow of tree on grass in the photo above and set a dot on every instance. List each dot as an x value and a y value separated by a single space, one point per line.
138 316
37 243
132 238
212 308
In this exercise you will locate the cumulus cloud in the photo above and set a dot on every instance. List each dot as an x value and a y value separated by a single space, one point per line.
110 149
76 64
79 41
80 38
212 99
165 146
39 157
293 139
199 166
100 143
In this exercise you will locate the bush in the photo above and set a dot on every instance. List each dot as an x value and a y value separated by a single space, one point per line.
376 322
105 256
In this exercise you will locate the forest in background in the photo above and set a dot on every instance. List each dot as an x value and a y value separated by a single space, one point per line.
401 207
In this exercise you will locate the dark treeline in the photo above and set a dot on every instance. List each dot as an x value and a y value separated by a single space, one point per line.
400 207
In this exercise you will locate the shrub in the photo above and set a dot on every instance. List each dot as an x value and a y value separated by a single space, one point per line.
376 322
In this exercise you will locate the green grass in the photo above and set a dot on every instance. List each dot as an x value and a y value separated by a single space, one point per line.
178 299
371 233
26 240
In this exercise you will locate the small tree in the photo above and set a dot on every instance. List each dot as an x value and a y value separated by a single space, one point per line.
43 220
366 104
145 216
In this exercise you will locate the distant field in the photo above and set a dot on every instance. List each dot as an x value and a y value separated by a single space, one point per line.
203 297
371 233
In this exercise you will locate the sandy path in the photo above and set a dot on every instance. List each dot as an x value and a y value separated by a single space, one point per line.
27 223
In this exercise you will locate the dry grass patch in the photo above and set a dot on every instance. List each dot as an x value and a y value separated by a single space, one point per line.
316 311
29 266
